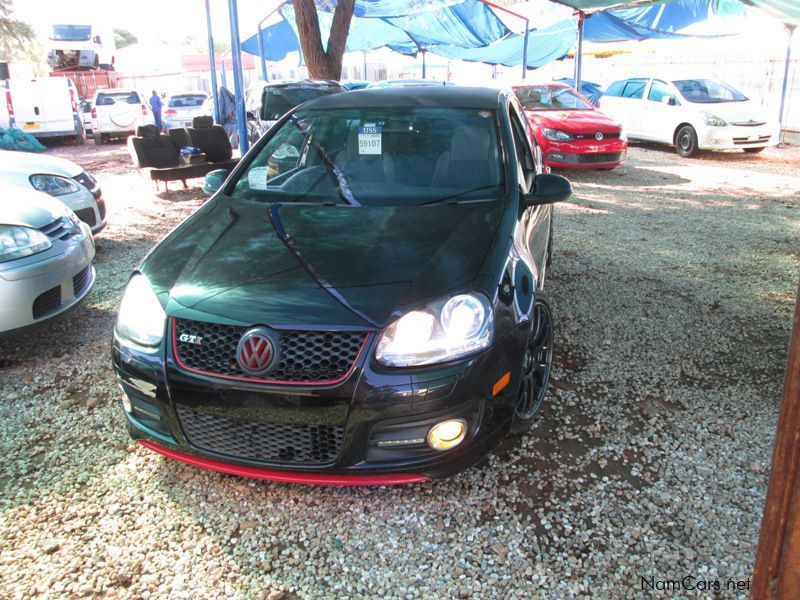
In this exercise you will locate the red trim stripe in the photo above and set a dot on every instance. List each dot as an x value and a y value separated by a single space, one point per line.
286 476
256 379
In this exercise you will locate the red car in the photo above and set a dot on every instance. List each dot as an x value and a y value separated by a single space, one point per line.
571 132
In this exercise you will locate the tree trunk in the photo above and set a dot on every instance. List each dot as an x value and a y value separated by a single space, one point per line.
323 64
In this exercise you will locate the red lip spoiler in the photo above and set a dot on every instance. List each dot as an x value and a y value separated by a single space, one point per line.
285 476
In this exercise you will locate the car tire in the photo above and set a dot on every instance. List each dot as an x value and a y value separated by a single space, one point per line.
753 150
686 141
537 364
99 139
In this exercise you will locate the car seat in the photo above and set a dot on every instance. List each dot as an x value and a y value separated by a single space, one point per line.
210 138
471 162
149 148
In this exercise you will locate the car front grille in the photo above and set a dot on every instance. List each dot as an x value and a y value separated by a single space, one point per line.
60 229
47 302
749 123
741 141
587 136
82 280
603 157
267 442
87 216
312 357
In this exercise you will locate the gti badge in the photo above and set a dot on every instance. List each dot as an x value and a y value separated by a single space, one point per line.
188 338
257 351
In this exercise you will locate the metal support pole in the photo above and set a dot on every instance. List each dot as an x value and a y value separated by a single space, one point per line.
212 64
525 50
579 53
785 87
224 72
423 64
261 55
365 66
238 77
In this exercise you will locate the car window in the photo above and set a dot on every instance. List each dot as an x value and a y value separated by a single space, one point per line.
381 156
659 90
276 102
615 89
634 88
525 160
708 91
110 98
550 97
187 101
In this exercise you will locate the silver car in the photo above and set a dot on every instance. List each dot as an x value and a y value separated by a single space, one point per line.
57 177
46 256
180 109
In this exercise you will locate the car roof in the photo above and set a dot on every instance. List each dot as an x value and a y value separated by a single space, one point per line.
442 96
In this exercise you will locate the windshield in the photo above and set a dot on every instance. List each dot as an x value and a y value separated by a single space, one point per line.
276 102
187 101
71 33
398 156
708 91
550 97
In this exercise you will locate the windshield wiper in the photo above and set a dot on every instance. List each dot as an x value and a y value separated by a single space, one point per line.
452 199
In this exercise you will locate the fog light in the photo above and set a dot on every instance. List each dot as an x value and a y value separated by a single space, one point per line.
126 403
556 156
447 434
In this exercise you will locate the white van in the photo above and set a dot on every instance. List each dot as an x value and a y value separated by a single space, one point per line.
46 107
118 112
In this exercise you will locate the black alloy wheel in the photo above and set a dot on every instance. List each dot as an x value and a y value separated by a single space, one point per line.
536 365
686 141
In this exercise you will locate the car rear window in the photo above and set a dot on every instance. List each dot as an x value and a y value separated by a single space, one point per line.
107 99
276 102
188 101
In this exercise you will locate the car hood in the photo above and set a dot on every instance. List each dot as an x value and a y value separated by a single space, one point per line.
30 164
734 112
335 266
28 208
574 121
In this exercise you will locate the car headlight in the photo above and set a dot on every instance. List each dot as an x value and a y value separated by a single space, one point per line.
622 135
54 185
441 331
557 135
19 242
714 121
141 318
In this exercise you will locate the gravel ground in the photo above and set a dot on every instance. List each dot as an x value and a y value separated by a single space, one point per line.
673 283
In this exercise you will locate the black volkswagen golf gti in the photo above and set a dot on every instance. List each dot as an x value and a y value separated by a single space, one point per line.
360 300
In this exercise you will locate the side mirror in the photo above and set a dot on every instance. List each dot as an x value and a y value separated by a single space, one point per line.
214 180
670 100
547 189
251 116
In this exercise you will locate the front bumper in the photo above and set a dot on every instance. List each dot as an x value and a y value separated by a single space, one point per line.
587 154
373 423
88 205
735 137
38 290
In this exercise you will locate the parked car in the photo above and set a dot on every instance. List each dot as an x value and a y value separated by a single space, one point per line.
118 112
691 114
570 131
180 109
266 102
86 115
45 259
359 303
354 84
46 107
59 178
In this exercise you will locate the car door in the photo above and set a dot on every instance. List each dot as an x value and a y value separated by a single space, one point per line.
661 114
627 108
534 221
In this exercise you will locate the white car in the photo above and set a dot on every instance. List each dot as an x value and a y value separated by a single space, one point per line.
46 258
691 114
180 109
118 112
57 177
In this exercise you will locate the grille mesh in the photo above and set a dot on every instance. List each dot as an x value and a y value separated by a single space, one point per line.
47 302
305 356
269 442
81 280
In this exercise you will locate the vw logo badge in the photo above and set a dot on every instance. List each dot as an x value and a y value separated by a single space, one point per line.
598 136
257 351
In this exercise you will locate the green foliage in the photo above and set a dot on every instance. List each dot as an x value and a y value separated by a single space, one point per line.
123 37
15 35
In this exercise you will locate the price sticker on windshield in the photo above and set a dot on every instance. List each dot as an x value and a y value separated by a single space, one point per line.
369 139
